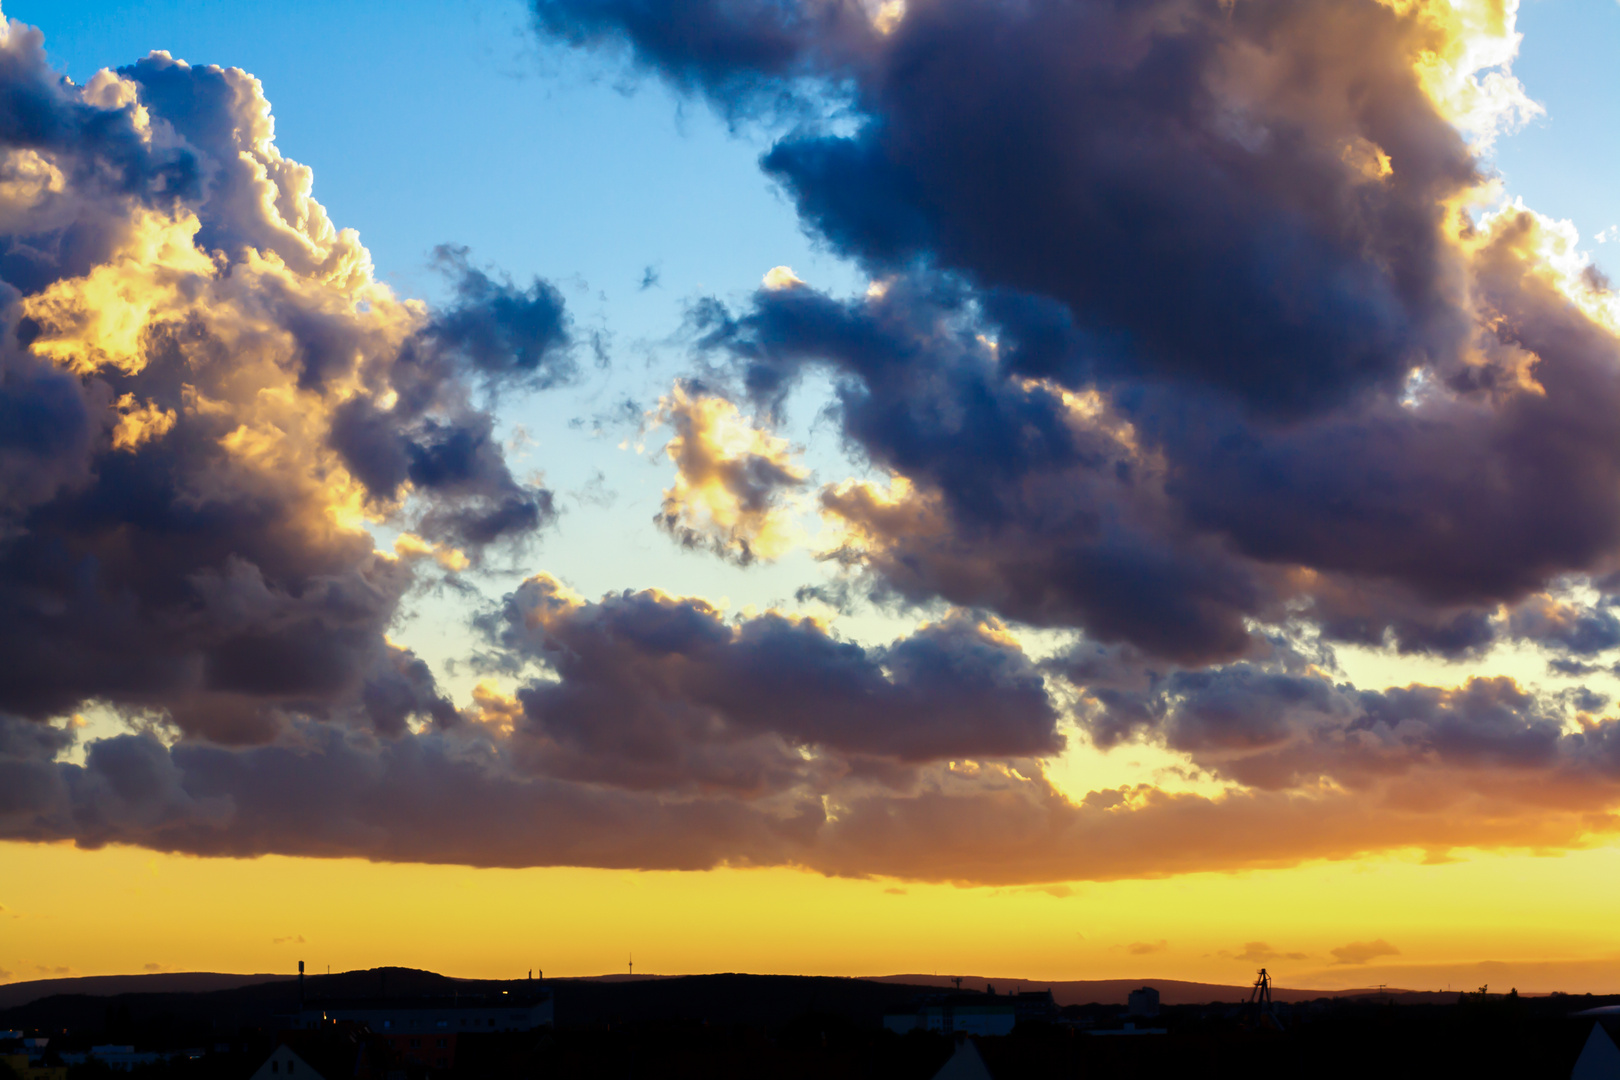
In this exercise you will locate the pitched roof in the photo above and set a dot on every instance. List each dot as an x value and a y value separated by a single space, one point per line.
1600 1060
965 1064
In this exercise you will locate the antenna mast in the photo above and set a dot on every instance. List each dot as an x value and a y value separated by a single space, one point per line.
1260 1009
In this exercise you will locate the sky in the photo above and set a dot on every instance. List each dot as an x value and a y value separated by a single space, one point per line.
1044 491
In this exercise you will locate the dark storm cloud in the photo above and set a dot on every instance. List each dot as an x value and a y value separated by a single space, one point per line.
1235 225
1021 505
1573 629
1122 160
737 52
337 793
1176 339
453 458
431 436
1280 726
498 329
1164 516
650 690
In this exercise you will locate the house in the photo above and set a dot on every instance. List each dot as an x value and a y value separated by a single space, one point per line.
965 1064
283 1062
1599 1060
971 1014
335 1052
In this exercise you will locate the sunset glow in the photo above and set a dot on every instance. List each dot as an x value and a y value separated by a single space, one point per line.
1041 491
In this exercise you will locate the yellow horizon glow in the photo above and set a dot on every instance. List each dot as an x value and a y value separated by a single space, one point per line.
1542 921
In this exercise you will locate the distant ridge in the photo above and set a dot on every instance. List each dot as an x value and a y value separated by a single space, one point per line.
165 982
407 981
1171 991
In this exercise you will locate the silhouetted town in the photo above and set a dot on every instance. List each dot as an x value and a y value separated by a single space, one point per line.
402 1024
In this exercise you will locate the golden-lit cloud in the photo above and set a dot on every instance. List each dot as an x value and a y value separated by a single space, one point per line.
736 484
212 365
1111 441
781 277
1465 62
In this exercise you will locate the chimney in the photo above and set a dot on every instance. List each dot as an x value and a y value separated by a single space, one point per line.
300 986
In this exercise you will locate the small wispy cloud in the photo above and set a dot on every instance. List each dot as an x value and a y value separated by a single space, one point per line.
1259 952
1147 948
290 939
1359 952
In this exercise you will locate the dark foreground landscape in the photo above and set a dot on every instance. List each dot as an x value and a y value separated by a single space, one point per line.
779 1026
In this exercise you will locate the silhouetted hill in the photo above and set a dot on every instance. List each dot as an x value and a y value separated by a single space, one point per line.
588 1000
253 1005
169 982
1171 991
724 998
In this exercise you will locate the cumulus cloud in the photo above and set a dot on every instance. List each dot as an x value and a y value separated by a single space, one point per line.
333 791
1287 725
1188 327
1183 338
207 397
653 690
734 481
1272 370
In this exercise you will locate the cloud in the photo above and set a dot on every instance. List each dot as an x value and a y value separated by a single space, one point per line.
653 690
1184 338
498 329
291 939
734 482
206 397
1116 432
326 792
1285 725
1258 952
1147 948
1360 952
152 967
